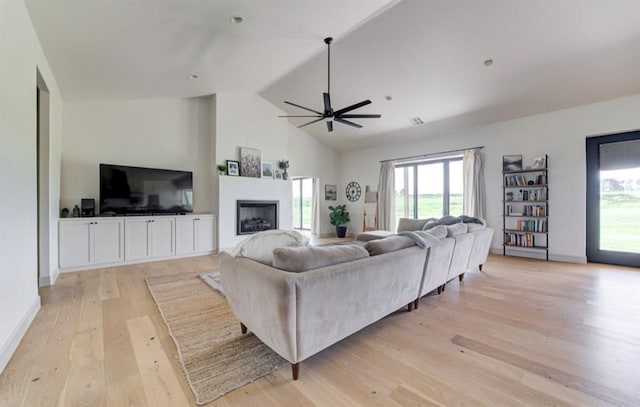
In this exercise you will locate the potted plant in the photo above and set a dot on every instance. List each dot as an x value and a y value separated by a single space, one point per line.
222 169
283 165
339 216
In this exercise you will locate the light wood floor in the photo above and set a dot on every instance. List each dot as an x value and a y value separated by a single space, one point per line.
521 332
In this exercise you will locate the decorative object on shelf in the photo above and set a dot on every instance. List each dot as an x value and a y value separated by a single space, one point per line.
76 211
525 208
233 168
250 162
329 115
222 169
283 165
539 162
511 162
330 192
339 217
353 191
277 173
267 169
64 213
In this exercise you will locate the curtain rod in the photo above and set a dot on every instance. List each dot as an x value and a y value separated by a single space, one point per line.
429 155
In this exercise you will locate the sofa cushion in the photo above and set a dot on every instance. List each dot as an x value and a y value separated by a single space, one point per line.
260 246
299 259
409 224
439 231
456 229
389 244
373 235
475 226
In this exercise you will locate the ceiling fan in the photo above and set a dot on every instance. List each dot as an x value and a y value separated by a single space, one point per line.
329 115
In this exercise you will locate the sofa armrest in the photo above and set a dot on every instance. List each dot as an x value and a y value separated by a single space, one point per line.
264 300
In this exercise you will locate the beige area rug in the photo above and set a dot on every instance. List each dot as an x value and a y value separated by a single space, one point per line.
215 356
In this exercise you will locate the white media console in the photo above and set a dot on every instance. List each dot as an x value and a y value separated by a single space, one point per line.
86 243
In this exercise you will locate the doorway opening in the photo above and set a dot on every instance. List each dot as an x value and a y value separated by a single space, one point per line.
42 179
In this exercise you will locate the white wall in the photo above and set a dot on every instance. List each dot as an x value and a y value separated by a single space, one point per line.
169 134
21 54
248 120
559 134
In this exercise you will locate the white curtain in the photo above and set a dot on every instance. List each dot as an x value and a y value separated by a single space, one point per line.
474 194
314 206
387 197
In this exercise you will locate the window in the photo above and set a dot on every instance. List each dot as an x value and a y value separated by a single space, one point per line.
429 189
302 203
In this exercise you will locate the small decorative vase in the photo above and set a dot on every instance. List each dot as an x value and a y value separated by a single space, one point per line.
285 176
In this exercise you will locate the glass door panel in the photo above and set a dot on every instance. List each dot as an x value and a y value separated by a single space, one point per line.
430 190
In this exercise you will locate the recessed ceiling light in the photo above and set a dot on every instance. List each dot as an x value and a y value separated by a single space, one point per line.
236 19
488 62
388 97
193 76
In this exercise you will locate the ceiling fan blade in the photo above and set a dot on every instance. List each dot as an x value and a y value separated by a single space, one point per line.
301 115
360 116
305 108
352 107
327 102
311 122
347 122
330 125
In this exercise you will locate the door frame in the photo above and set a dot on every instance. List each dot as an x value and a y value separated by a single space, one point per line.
594 254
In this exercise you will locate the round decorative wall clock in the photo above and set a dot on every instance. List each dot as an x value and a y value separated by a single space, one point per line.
353 191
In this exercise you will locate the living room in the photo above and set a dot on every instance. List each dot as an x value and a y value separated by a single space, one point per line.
197 132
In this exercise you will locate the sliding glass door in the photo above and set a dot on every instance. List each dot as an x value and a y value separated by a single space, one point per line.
302 203
613 199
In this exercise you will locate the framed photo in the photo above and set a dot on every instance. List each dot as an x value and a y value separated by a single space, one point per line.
267 169
250 162
277 173
233 168
330 193
539 162
511 162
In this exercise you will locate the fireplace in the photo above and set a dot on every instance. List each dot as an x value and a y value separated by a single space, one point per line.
256 216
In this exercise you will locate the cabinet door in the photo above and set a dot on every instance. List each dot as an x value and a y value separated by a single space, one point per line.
108 241
205 234
74 244
185 235
162 237
136 239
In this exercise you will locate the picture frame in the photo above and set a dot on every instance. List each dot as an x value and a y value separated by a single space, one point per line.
511 163
267 169
330 192
233 168
250 162
277 173
539 163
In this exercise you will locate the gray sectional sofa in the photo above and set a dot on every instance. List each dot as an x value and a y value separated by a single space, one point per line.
307 298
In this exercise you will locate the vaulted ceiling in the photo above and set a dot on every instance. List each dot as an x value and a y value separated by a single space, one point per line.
413 58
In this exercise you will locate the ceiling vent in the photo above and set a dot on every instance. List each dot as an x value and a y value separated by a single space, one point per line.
416 121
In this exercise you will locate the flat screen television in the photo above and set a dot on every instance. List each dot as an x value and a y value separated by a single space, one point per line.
140 191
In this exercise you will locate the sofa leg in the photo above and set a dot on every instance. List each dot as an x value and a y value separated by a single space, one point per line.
480 267
243 328
461 277
444 286
295 368
439 289
416 303
410 306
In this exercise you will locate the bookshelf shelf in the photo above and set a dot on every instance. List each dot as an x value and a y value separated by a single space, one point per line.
525 211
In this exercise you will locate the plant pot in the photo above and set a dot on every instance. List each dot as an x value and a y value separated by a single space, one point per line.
341 231
285 176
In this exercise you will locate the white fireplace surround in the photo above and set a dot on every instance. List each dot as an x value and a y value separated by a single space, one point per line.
232 189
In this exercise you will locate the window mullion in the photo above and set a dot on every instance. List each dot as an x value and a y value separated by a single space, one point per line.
445 188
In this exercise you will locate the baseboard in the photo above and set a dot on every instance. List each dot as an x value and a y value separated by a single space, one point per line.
49 280
552 256
16 336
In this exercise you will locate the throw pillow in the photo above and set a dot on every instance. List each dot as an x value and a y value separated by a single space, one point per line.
409 224
388 244
260 246
438 231
299 259
456 229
